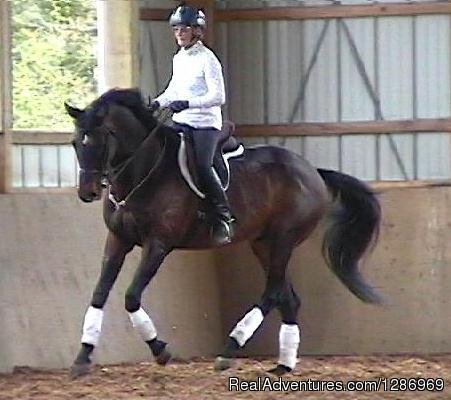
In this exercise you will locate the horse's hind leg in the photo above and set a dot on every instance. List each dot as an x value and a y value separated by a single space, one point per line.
153 256
273 255
289 334
114 255
280 292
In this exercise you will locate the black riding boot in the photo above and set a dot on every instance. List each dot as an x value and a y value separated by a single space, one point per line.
221 217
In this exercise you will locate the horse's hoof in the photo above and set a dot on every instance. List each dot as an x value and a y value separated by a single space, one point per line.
77 370
223 363
279 370
164 357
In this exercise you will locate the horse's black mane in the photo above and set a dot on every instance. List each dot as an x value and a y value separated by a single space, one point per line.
130 98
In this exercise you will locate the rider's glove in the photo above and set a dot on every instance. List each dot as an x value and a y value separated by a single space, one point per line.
154 106
178 105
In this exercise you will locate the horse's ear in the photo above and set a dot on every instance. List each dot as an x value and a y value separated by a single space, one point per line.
74 112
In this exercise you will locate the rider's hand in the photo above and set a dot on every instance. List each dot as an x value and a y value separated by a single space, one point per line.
154 106
178 105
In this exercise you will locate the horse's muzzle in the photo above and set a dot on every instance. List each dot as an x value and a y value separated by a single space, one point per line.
89 197
90 186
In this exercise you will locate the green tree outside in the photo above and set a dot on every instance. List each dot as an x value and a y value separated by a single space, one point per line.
54 60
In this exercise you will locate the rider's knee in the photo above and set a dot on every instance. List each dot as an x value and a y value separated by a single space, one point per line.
205 174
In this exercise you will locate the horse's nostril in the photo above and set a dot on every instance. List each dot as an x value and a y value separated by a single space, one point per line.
85 199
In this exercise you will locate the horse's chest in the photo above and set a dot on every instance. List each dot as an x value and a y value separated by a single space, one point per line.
123 224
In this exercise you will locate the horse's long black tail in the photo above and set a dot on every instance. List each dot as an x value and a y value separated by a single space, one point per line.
353 229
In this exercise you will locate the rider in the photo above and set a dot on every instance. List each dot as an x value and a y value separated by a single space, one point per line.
195 94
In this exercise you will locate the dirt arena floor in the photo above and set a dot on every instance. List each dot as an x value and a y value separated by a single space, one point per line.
198 380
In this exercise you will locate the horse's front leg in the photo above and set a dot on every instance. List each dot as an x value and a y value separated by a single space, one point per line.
154 253
113 258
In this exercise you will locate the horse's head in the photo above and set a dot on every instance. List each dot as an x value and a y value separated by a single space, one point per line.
90 144
118 113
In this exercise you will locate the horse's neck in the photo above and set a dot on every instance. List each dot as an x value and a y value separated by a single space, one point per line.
134 165
147 154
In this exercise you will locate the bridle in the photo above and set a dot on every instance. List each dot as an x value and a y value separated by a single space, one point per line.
110 177
101 173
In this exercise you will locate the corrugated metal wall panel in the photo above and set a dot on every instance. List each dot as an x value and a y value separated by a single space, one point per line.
242 4
239 4
322 90
353 2
280 141
382 1
156 50
433 65
434 156
295 144
396 154
433 79
315 3
389 167
68 166
50 167
356 103
17 173
256 48
245 73
245 76
403 1
221 46
395 67
264 63
323 152
44 166
157 3
294 3
284 59
31 166
359 156
297 64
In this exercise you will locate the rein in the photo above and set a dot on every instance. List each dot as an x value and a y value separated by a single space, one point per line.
122 203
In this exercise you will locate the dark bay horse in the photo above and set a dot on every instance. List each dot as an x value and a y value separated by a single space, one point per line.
278 199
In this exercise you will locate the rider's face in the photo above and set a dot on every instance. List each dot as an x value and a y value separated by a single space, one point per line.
184 35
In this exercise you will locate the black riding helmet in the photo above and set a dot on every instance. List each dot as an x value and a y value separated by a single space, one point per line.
186 15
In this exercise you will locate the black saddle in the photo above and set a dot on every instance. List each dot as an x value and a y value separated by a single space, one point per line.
227 144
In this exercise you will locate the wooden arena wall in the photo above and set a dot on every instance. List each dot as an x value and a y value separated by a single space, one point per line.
50 253
410 266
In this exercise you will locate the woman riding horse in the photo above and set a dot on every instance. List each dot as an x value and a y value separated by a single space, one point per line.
277 196
195 94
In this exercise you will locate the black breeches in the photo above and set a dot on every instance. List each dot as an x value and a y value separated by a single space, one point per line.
205 142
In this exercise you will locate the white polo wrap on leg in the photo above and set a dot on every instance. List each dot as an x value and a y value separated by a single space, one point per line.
143 324
289 338
92 326
245 328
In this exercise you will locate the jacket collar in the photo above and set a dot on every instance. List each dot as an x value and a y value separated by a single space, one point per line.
195 48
